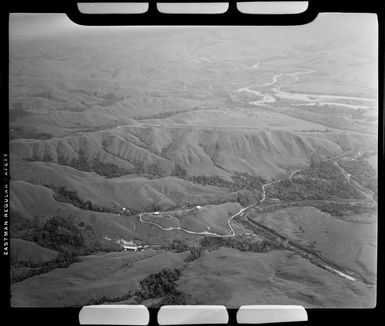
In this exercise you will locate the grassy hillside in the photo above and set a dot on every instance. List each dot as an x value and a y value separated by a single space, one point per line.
350 243
230 277
29 252
113 194
109 275
156 150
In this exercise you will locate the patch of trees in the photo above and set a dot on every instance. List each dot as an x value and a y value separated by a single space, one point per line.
63 234
178 298
321 180
176 246
110 98
63 260
247 187
69 196
108 170
361 171
341 209
162 284
246 197
63 194
152 171
322 170
195 253
265 245
19 225
246 181
155 170
214 243
179 171
210 181
248 184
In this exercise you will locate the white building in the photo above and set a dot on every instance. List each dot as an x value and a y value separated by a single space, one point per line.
127 245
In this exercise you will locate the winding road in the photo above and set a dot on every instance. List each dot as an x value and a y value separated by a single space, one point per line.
196 232
232 232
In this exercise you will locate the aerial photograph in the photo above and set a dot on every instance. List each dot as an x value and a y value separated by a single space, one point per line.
174 165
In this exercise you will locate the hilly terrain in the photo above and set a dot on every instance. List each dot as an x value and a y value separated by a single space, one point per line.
142 159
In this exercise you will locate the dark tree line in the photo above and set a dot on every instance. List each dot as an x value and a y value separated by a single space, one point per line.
107 170
211 243
179 171
311 189
63 194
63 260
176 246
341 209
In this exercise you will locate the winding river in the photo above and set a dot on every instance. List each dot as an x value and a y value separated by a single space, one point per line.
272 94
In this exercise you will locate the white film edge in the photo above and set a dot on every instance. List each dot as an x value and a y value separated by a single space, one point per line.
114 315
190 314
260 314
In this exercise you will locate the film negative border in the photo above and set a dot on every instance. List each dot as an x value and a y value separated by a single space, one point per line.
69 316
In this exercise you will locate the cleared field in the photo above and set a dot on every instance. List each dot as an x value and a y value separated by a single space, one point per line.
351 243
233 278
111 275
25 195
29 252
212 218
